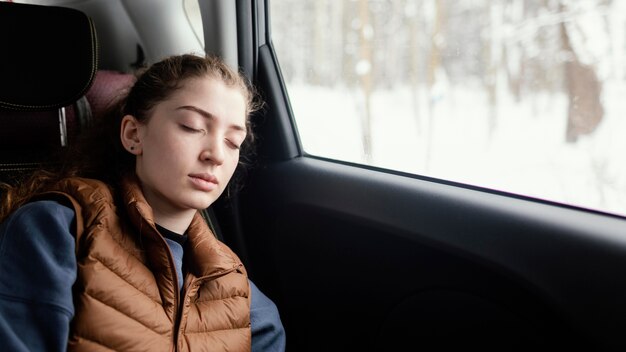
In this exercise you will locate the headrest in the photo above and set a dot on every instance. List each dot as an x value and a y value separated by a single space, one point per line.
49 56
108 87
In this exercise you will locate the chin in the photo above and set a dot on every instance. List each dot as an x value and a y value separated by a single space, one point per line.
199 203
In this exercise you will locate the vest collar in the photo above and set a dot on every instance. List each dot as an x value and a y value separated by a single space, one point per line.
204 254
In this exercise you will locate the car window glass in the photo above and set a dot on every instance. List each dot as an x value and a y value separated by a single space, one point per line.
192 10
520 96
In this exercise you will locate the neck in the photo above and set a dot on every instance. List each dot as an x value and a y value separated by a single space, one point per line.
166 214
178 222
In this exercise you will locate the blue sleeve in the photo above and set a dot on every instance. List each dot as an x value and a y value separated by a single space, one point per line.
268 334
37 271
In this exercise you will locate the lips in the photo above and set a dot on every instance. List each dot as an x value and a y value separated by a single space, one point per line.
204 181
205 176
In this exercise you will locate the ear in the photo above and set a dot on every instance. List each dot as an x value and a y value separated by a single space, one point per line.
129 134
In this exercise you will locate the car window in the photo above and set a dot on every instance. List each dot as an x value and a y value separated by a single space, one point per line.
520 96
192 10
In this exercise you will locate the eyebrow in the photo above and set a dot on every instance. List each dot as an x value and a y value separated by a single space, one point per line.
209 116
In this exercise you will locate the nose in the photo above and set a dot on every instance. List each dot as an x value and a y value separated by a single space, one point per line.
213 151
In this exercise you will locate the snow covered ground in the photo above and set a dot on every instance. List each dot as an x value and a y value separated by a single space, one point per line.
525 153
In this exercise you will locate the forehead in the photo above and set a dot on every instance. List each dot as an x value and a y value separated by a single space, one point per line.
211 95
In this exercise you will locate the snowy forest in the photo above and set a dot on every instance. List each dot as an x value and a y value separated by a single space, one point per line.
523 96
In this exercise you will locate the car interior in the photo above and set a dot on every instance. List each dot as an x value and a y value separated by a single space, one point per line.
356 258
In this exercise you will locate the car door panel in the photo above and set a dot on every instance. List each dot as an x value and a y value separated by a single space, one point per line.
365 246
359 258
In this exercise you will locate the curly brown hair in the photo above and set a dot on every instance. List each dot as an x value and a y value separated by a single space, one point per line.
98 153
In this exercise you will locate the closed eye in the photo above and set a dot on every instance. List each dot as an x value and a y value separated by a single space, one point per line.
190 129
232 144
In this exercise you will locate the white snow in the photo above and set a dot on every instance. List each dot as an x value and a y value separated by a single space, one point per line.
453 129
525 154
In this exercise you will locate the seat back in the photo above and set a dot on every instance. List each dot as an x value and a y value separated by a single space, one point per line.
108 87
48 63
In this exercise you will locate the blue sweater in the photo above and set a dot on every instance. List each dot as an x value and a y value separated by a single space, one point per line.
38 269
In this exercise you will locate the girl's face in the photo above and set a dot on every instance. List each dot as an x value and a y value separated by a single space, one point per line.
189 148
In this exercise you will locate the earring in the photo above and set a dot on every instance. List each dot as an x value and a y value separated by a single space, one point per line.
132 147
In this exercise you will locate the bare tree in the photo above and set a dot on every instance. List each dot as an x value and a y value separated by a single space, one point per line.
493 57
364 69
434 63
411 9
584 90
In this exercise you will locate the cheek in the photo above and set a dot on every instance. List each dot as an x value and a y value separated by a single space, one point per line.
166 152
233 161
168 145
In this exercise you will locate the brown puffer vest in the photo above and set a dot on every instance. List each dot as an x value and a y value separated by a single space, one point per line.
126 295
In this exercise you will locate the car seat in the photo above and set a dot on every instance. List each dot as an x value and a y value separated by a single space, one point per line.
51 88
108 87
48 63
